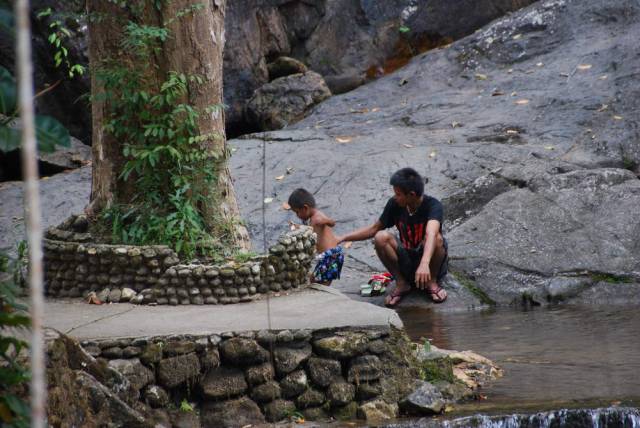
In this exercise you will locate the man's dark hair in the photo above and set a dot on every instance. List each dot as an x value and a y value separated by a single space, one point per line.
301 197
408 180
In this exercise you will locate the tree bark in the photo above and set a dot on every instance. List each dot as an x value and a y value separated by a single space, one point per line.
195 47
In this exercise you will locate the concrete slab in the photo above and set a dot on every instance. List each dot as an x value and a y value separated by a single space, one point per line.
313 308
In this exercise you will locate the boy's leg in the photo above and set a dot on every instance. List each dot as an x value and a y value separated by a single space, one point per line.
438 294
387 249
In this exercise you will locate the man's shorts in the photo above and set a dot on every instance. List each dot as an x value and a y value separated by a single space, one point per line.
409 260
329 265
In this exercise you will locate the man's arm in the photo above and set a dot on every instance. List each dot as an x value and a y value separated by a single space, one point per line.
423 274
363 233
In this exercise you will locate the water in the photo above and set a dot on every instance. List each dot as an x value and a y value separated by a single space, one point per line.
553 358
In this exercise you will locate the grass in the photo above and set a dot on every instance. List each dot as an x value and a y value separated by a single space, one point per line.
610 278
471 285
440 369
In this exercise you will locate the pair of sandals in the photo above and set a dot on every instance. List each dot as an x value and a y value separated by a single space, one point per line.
438 295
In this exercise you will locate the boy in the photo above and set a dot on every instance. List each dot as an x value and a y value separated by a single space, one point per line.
331 257
420 257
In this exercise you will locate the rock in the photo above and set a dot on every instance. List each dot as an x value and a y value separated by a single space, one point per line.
424 400
159 418
345 413
127 294
231 413
243 352
266 392
173 348
185 420
103 295
339 84
294 384
377 411
112 353
341 393
74 156
151 354
210 359
155 396
342 345
285 66
131 351
114 295
315 414
134 371
278 410
364 369
286 100
223 382
257 375
310 398
289 359
323 371
177 370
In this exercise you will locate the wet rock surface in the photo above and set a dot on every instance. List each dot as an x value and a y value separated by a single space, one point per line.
525 129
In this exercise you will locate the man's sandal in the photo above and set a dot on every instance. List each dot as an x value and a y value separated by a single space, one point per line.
395 297
436 295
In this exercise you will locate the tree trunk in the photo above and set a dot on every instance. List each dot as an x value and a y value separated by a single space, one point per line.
194 47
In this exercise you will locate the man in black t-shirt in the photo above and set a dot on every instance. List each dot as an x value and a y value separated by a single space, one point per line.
419 258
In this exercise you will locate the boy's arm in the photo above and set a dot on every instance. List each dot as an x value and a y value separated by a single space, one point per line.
363 233
423 273
320 219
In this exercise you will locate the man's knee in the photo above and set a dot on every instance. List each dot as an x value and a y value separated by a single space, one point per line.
382 239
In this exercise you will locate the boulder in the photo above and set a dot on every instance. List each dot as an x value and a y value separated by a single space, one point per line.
243 352
156 396
181 419
223 383
424 400
341 393
181 347
323 371
288 359
231 413
127 294
278 410
378 411
257 375
210 359
341 345
310 398
134 371
151 354
285 66
364 369
177 370
115 295
347 412
294 384
266 392
286 100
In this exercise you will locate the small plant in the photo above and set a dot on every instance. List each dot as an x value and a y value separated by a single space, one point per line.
244 256
57 38
437 370
404 29
185 406
427 345
295 416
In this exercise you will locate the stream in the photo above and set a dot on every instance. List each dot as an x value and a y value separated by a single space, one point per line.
563 366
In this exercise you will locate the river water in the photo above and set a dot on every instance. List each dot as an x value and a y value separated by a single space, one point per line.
553 358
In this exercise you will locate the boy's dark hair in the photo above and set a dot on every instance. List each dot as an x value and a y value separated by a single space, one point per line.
301 197
408 180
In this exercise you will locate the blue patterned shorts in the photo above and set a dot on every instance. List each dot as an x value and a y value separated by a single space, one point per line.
329 265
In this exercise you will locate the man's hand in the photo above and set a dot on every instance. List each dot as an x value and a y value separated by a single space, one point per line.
423 275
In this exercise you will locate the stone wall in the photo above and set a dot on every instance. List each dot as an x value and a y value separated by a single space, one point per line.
76 266
236 379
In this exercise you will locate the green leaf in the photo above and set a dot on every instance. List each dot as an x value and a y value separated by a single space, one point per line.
8 92
51 133
9 139
404 29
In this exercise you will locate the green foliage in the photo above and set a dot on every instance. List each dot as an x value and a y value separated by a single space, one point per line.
14 411
49 132
440 369
404 29
173 167
610 278
58 37
185 406
244 256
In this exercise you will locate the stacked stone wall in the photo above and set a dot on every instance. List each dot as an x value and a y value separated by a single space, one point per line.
76 266
255 377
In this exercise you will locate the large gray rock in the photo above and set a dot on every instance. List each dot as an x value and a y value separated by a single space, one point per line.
341 393
155 396
134 371
288 359
177 370
278 410
231 413
243 352
266 392
286 100
310 398
341 345
294 384
377 411
323 371
223 382
257 375
74 156
424 400
490 120
365 369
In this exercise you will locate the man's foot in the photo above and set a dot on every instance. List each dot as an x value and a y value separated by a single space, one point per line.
437 293
396 296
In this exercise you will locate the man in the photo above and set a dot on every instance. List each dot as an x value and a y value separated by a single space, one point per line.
419 259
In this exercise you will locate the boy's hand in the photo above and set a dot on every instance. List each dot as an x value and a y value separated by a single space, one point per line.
423 275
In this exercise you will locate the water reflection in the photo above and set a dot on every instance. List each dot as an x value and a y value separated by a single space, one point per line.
560 353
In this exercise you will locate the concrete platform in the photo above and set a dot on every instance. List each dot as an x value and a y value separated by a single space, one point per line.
314 308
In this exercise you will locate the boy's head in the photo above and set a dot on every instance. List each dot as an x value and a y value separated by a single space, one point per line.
302 203
408 186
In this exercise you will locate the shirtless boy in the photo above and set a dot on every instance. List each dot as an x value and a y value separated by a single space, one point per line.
330 257
419 258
